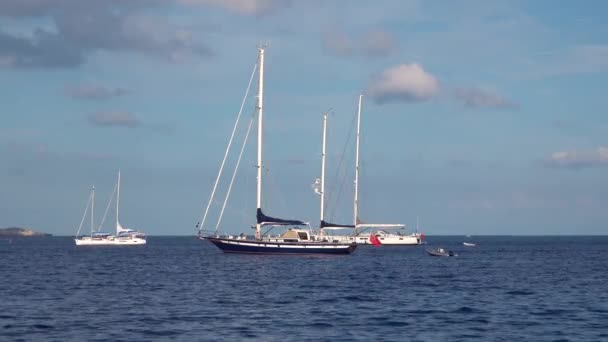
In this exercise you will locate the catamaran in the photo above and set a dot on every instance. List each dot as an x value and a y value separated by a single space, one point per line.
294 240
123 237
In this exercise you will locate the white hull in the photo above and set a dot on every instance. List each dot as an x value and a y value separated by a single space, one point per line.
123 237
387 239
110 241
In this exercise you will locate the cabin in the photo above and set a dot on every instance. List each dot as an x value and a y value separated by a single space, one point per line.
295 235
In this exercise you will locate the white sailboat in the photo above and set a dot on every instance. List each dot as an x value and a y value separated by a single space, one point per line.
319 188
388 234
123 236
292 241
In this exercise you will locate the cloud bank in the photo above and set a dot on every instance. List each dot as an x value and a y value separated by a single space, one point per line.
574 159
94 92
405 83
247 7
371 44
412 83
78 28
114 119
479 98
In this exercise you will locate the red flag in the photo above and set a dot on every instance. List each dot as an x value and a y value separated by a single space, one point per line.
374 240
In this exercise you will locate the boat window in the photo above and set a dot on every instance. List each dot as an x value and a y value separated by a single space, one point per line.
303 235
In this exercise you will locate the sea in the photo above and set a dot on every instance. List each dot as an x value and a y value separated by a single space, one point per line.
507 288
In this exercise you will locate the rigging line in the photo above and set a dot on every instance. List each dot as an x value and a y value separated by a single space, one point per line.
219 174
339 168
107 208
86 210
275 195
236 168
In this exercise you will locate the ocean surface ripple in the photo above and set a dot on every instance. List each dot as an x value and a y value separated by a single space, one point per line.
182 289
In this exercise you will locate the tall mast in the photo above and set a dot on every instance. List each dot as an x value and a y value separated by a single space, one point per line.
117 201
258 227
323 166
356 203
92 209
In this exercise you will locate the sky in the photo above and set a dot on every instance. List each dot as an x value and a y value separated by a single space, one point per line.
479 117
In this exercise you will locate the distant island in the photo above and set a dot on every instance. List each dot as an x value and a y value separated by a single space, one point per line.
20 232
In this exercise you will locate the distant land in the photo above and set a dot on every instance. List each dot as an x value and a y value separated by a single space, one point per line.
20 232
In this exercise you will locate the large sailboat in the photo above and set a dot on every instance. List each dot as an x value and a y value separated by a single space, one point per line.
123 237
294 240
387 234
319 188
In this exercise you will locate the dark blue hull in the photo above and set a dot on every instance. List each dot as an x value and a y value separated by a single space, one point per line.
292 248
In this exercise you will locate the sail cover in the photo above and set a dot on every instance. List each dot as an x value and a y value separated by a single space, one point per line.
327 224
267 220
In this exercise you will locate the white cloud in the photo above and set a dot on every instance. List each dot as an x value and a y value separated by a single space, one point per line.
248 7
7 61
480 98
404 82
575 159
379 43
575 59
77 30
376 43
94 92
337 43
119 119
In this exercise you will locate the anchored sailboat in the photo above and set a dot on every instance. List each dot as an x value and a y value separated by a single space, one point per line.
123 237
380 230
292 241
320 189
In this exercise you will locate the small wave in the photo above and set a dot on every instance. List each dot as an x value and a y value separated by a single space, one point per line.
320 325
394 324
479 329
359 298
425 312
465 310
550 312
520 292
43 326
468 336
160 332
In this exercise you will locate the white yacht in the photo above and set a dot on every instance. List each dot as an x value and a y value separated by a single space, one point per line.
123 237
388 234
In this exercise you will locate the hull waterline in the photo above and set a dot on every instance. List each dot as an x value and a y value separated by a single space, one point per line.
104 242
268 247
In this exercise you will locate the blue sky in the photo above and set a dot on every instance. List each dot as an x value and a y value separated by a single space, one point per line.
479 117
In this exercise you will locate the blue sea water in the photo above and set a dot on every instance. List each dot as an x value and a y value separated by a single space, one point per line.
182 289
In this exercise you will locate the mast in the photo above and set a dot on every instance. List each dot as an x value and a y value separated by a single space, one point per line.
356 202
92 209
258 226
323 166
117 201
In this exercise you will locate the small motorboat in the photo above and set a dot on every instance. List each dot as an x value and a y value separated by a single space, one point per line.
440 252
468 244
